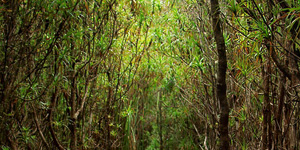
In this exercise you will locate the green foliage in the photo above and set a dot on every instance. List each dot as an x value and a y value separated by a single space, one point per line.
142 74
5 148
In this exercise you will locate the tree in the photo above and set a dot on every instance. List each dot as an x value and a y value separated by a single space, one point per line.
149 74
221 78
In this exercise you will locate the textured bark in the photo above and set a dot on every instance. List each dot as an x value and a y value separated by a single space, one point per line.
266 110
221 79
290 134
278 118
52 107
73 119
36 121
287 130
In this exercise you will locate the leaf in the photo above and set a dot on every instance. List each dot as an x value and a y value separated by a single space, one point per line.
86 7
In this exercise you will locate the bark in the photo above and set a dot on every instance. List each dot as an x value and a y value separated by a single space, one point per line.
52 107
290 128
286 135
266 137
278 121
73 143
13 144
108 112
221 79
39 128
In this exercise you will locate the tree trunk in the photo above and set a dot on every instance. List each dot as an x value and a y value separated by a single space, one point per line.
278 121
266 108
108 112
73 143
221 79
290 137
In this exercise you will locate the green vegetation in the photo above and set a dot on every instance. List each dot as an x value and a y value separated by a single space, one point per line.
149 74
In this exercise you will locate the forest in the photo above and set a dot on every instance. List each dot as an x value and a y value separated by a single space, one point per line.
149 74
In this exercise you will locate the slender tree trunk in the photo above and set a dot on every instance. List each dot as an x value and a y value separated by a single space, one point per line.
160 127
159 121
278 121
287 122
221 79
290 135
73 144
52 107
266 109
108 112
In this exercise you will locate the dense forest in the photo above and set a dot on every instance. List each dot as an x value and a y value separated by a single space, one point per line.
149 74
